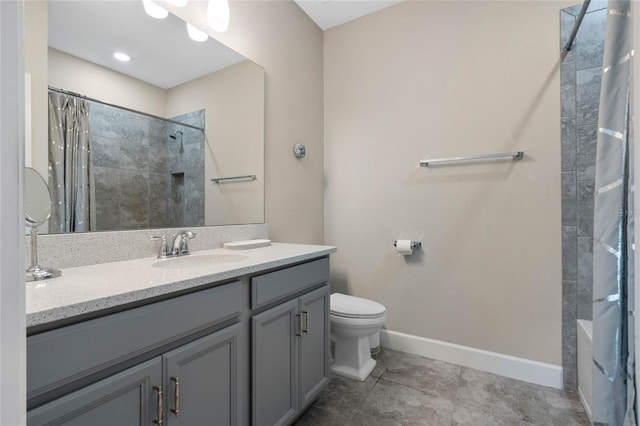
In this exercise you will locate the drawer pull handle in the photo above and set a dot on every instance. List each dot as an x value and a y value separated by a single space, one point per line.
159 406
306 322
176 396
299 325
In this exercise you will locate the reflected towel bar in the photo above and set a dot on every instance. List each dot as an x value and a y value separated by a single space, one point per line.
229 178
517 155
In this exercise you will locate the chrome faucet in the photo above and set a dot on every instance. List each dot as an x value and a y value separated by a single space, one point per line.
179 245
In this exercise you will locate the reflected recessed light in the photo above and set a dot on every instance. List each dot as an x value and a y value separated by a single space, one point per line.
154 10
122 56
196 34
218 15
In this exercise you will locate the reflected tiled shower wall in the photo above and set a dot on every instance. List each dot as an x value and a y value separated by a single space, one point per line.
135 162
186 165
580 94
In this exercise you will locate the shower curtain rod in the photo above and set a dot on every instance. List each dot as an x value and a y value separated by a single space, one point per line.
77 95
576 27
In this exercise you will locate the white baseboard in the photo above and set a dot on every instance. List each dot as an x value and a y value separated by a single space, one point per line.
505 365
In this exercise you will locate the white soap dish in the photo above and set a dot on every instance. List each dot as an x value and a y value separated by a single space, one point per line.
246 244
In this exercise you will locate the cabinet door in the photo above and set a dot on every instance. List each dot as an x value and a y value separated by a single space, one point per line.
314 345
274 364
127 398
201 381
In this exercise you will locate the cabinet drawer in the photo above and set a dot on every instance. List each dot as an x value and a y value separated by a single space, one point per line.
126 398
270 287
59 357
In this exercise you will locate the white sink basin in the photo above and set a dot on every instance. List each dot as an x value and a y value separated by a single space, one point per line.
199 260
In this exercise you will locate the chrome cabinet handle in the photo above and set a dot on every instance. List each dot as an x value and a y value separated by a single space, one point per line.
299 326
306 322
176 396
159 406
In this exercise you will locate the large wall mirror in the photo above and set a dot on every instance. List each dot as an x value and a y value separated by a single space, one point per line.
136 144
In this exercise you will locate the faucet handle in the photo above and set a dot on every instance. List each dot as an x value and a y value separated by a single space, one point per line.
184 237
188 234
162 253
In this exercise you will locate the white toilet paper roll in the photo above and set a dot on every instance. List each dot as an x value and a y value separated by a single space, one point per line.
404 247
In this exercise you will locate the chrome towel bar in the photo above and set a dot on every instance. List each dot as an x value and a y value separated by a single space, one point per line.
229 178
517 155
569 44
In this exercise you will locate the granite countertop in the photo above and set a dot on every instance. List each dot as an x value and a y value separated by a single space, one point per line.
87 289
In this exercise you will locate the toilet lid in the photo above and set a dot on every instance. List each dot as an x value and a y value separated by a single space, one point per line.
351 306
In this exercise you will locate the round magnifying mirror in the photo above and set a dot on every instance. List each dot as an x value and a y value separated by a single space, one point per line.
37 200
37 209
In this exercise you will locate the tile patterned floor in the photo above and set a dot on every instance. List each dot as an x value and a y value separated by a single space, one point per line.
407 389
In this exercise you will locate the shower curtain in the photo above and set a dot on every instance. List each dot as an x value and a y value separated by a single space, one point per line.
614 385
71 179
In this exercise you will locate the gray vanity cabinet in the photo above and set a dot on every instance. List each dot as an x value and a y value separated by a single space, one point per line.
177 361
199 388
314 345
275 364
187 360
127 398
290 357
201 380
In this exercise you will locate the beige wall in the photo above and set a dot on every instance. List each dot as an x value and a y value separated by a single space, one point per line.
77 75
279 36
438 79
35 64
233 99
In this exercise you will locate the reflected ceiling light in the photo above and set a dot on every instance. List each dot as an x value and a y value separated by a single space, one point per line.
196 34
154 10
121 56
218 15
179 3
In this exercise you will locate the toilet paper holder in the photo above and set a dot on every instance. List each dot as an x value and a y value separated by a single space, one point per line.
414 244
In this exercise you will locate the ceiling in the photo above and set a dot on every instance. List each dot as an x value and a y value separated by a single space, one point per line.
330 13
161 52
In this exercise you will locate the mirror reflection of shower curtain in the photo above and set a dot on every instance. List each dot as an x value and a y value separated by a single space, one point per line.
71 178
614 383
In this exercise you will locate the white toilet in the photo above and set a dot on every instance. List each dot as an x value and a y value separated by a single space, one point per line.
353 321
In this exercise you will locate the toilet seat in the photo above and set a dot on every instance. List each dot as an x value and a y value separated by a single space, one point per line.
354 322
346 306
364 317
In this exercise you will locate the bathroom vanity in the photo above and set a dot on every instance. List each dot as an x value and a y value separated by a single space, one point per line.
220 337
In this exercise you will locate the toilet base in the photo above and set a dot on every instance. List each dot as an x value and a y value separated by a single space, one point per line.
354 373
353 358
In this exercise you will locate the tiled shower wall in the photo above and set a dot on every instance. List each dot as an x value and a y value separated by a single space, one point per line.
135 168
580 82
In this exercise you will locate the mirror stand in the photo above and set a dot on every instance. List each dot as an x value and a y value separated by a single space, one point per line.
36 272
